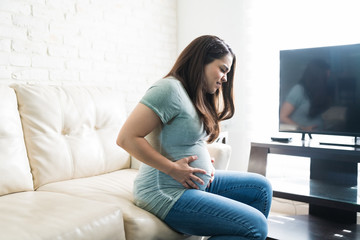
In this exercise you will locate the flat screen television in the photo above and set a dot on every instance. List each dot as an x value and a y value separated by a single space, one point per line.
320 90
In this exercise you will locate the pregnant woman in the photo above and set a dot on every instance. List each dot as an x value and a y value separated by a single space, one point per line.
177 181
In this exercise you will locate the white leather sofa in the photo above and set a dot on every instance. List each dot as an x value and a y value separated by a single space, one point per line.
62 176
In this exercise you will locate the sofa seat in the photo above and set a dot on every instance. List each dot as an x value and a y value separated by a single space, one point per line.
116 188
49 215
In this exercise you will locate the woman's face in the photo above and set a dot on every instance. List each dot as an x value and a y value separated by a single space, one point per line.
216 73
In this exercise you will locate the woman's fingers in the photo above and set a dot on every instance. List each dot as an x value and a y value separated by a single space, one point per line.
195 170
197 179
187 173
191 185
191 158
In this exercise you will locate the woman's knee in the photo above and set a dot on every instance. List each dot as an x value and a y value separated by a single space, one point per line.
264 185
263 182
260 229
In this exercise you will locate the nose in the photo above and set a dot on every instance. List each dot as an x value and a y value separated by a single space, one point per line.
224 78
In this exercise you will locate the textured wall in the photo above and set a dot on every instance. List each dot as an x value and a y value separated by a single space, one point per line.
127 44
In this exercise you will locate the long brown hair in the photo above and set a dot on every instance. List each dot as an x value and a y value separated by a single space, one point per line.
189 69
314 80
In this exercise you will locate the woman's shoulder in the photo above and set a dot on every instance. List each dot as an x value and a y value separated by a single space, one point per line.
169 85
170 82
164 97
298 86
166 88
297 89
296 95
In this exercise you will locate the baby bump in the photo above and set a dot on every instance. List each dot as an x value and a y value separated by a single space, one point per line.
203 161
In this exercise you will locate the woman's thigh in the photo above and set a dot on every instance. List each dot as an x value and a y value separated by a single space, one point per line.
220 212
249 188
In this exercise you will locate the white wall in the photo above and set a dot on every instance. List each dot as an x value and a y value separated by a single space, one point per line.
121 43
131 43
256 30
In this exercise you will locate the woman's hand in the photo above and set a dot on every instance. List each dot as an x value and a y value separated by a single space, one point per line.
184 174
212 172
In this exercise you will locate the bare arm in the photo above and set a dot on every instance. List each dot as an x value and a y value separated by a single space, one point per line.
132 138
285 112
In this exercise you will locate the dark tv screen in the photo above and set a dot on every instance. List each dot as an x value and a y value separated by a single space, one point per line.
320 90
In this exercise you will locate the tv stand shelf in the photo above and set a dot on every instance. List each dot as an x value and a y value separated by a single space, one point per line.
317 192
331 190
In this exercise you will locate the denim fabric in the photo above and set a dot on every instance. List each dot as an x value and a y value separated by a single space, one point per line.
235 206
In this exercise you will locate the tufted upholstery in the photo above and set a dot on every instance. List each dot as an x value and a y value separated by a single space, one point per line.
72 129
15 175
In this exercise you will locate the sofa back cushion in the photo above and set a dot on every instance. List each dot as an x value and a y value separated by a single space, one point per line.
15 175
70 131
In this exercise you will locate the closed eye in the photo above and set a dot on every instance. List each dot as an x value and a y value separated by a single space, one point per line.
224 69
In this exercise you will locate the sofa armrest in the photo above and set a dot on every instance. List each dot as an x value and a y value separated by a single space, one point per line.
221 153
134 163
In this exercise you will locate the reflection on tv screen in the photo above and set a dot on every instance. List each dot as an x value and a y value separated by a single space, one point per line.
319 90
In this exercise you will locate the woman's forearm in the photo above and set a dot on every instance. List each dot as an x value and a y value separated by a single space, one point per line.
140 148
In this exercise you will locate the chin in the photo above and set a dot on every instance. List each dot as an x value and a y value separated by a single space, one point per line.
212 91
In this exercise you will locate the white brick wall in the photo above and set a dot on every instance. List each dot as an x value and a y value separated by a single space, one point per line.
120 43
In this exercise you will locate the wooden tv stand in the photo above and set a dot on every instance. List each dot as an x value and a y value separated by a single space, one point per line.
331 190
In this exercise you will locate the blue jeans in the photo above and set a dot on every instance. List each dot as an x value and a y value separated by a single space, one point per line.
235 206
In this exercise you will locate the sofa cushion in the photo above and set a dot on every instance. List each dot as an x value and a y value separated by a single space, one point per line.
221 154
15 175
46 215
70 132
116 188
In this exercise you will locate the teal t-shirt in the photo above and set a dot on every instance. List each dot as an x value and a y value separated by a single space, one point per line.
298 98
182 134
